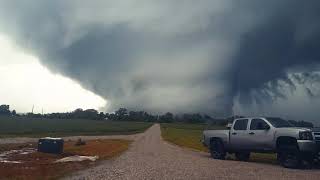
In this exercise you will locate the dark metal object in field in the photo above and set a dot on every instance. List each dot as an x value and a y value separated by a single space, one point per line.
80 142
51 145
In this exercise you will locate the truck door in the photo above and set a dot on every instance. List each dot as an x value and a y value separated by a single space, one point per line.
260 135
239 134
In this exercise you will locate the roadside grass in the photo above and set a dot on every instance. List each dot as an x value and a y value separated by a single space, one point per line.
189 136
28 127
42 166
186 135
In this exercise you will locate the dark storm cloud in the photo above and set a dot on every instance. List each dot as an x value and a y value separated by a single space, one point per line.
173 56
289 38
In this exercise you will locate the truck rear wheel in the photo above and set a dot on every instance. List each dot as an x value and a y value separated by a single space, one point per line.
243 156
217 149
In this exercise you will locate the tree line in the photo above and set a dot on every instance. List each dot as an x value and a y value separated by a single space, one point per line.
5 110
122 114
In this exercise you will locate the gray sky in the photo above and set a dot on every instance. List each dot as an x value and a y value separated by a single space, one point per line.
208 56
25 83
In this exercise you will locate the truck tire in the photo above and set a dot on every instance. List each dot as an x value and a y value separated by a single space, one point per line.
288 154
242 156
289 159
217 149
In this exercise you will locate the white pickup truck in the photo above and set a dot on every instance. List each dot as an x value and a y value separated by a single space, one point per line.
292 145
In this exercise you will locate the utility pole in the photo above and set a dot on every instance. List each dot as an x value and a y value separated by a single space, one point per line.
32 109
42 114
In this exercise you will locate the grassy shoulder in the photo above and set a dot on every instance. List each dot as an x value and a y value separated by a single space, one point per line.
42 166
189 136
186 135
25 127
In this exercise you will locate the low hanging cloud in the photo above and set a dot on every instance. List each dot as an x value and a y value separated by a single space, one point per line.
188 56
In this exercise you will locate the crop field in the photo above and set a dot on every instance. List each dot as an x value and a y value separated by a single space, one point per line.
189 136
20 127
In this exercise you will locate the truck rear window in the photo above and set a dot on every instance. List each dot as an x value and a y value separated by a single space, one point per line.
241 124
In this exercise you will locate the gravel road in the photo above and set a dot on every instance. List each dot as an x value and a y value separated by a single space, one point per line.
149 157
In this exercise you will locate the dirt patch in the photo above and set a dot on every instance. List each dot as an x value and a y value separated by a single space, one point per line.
36 165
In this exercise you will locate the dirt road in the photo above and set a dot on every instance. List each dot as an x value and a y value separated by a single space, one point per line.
149 157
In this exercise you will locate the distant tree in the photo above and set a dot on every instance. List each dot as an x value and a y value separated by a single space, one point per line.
14 113
222 122
177 118
79 110
101 116
112 116
122 114
32 115
90 114
5 110
78 113
207 117
107 116
193 118
141 116
134 116
166 118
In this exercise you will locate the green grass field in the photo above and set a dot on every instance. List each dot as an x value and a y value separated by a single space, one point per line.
18 127
189 135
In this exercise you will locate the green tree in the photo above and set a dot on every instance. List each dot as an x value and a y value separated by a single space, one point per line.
167 118
14 113
122 114
5 110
